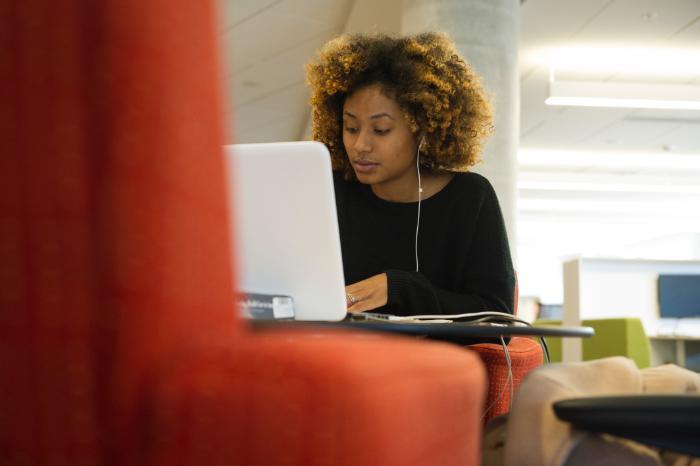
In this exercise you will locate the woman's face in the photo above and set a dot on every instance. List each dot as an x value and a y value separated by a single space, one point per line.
379 142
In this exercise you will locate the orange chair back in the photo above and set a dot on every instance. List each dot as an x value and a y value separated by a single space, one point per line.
113 222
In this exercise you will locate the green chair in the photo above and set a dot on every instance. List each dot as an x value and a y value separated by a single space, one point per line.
613 337
618 337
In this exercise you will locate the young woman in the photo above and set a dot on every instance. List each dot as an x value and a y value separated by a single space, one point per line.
404 118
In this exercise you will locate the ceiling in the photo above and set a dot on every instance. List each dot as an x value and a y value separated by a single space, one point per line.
632 23
590 180
266 43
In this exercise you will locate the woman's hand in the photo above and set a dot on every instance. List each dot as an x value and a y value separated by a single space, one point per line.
367 294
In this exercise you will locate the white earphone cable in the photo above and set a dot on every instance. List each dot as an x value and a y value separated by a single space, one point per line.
420 195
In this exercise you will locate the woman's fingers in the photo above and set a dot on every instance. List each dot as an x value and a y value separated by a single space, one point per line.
367 294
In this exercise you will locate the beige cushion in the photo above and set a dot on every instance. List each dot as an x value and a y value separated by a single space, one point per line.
535 436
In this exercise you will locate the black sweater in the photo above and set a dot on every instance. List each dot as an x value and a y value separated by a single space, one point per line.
464 258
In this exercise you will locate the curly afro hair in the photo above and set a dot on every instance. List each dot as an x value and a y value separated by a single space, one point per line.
440 95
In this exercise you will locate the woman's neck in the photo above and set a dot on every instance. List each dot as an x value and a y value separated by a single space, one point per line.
431 181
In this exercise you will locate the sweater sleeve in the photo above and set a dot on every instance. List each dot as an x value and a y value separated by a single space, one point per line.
487 282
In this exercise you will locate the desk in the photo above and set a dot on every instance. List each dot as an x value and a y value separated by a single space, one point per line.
603 288
455 332
659 342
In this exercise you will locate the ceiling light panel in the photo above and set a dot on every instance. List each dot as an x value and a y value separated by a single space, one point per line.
624 95
647 61
609 160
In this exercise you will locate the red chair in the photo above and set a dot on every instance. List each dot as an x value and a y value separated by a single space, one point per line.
118 338
525 355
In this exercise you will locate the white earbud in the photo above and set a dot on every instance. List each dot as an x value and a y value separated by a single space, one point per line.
420 147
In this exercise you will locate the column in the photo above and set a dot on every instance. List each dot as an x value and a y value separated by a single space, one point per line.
486 33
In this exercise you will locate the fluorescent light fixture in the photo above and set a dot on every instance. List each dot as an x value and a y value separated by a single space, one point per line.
624 95
588 187
643 208
653 63
611 59
659 162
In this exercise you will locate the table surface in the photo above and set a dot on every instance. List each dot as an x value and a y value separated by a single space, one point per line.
453 331
675 337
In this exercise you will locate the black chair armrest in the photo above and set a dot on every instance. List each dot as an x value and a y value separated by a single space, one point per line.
669 422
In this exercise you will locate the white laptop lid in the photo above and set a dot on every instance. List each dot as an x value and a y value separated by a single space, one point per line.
286 229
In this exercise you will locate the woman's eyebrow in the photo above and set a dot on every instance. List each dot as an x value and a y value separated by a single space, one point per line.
373 117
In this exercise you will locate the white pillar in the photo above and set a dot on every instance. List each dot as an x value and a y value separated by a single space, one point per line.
486 33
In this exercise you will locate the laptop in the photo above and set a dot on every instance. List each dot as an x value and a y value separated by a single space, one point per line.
285 227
